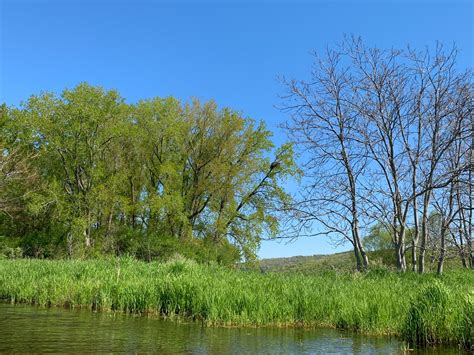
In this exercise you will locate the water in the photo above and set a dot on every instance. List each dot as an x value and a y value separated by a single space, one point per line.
37 329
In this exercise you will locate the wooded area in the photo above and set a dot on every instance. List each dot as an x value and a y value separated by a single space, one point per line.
86 174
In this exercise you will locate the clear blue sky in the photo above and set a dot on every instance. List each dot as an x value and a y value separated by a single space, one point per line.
231 52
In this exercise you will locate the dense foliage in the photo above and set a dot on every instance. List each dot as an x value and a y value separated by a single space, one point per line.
420 308
85 173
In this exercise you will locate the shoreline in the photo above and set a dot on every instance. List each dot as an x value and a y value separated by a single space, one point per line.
215 296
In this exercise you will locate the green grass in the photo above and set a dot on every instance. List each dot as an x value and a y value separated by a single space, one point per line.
422 309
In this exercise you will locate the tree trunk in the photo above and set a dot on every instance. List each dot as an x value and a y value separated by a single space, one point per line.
413 255
414 242
70 247
400 248
442 253
401 261
357 243
87 238
424 233
132 200
365 259
463 259
357 256
87 231
108 241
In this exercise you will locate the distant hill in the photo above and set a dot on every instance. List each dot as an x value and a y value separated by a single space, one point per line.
344 261
308 264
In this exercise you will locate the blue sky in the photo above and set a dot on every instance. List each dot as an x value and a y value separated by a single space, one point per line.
228 51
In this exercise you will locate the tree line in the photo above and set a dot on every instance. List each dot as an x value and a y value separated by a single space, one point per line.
386 137
84 173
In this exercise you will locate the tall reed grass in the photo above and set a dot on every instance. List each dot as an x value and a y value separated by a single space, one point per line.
422 309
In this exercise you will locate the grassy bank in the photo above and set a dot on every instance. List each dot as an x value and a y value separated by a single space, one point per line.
422 309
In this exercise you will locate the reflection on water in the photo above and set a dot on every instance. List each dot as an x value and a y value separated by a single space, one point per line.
37 329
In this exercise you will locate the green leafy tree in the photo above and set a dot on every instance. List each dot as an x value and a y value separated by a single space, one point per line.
378 238
153 179
73 134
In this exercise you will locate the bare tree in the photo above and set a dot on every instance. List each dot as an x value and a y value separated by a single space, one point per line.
448 201
462 231
445 106
383 100
325 128
376 129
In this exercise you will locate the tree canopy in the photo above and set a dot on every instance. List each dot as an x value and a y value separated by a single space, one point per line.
150 179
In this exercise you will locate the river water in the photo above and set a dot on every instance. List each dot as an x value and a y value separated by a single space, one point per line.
30 329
